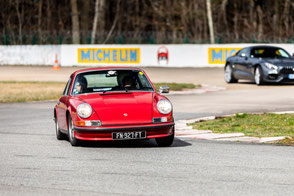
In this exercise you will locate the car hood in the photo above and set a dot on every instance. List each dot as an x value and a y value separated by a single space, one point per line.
121 108
280 61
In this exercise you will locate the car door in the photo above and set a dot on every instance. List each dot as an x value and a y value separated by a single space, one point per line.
62 106
245 63
240 70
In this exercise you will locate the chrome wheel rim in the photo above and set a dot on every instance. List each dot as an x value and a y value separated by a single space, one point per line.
257 76
228 74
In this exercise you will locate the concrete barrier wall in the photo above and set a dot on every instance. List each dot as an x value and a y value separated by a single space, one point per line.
187 55
28 54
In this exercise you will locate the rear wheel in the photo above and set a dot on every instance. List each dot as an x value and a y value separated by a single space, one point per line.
166 141
71 136
59 135
258 76
229 77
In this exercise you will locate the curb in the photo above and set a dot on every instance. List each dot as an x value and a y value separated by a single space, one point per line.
184 131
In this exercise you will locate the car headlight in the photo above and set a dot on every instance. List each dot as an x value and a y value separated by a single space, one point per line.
164 106
271 66
84 110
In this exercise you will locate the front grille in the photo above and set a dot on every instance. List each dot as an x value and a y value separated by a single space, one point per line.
287 70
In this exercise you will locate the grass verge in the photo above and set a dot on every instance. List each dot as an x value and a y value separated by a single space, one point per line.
11 91
255 125
14 91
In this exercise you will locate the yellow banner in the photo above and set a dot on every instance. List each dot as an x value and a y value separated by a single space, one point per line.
109 55
219 55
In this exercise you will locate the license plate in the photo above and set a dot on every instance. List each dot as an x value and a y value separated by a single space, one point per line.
291 76
128 135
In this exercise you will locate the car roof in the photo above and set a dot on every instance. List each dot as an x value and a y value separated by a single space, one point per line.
263 46
105 68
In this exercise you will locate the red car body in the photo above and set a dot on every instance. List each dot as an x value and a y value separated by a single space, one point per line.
117 112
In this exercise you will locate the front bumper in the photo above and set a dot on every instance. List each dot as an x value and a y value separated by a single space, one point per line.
105 132
282 74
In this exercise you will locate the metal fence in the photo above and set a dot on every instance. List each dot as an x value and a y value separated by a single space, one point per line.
133 38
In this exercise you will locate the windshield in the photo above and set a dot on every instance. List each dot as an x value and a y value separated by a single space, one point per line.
269 53
111 80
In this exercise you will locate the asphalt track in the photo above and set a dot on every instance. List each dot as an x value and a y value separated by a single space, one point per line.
33 162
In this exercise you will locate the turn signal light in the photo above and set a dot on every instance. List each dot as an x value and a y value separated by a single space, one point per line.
80 123
88 123
163 119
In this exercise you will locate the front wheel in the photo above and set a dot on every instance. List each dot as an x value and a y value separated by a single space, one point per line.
165 141
258 76
229 77
71 136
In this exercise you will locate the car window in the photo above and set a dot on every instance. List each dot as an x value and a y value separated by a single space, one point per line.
282 53
269 53
244 52
111 80
99 80
66 89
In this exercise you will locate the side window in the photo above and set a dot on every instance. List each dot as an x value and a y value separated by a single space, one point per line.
244 52
65 92
247 52
282 53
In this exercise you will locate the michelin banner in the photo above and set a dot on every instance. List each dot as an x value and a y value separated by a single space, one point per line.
186 55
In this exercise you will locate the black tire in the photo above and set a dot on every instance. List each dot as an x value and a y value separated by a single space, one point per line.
59 135
229 77
258 76
71 137
165 141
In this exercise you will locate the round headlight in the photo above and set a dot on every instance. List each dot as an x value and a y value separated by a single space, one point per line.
84 110
164 106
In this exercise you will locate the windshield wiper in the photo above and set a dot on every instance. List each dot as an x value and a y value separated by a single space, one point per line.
106 91
116 93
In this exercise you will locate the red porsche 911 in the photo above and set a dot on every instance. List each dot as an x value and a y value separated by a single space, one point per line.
113 104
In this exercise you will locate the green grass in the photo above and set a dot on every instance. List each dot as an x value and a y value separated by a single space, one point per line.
13 91
176 86
22 91
256 125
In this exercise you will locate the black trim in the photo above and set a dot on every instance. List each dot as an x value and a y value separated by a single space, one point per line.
115 93
125 128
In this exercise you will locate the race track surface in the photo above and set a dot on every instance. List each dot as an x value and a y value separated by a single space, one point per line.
33 162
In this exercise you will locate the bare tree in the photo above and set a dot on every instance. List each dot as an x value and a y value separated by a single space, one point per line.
114 22
140 21
40 6
260 23
85 19
210 21
75 22
19 17
99 12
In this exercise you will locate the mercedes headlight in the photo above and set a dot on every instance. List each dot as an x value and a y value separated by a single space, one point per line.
271 66
164 106
84 110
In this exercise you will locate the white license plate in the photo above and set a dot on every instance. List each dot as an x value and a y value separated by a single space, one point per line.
128 135
291 76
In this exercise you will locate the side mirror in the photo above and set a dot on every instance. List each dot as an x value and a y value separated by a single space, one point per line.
164 89
292 54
